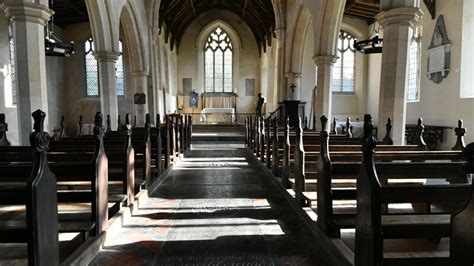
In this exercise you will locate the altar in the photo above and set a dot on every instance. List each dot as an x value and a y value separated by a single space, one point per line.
217 115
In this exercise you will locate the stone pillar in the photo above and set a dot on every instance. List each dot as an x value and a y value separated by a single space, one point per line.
140 80
153 77
28 22
323 102
280 64
294 86
397 29
107 84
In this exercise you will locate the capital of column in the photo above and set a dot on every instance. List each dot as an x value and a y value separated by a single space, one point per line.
27 12
280 33
106 56
155 33
293 75
138 74
402 15
321 60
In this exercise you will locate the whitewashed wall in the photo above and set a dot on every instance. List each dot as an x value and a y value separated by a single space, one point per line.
440 104
248 61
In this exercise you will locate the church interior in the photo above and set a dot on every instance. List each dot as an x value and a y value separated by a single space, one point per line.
236 132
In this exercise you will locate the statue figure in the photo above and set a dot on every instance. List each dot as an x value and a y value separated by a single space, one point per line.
260 103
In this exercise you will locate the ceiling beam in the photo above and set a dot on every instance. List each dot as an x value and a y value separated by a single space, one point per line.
76 8
431 5
246 2
191 2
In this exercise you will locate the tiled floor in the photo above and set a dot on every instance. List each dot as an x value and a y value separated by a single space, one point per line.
216 208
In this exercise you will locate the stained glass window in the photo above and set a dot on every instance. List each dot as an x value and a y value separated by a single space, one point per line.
218 62
92 74
11 42
343 75
414 66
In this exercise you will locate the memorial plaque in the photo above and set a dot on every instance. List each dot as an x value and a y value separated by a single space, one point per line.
187 85
250 87
139 98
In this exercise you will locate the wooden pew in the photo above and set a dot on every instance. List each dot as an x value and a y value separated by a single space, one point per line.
311 152
68 166
344 166
3 131
39 196
264 136
372 226
120 153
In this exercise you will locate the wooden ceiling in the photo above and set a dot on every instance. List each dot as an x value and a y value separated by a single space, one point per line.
177 15
69 12
362 9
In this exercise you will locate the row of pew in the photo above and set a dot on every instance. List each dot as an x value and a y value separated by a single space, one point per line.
365 185
74 185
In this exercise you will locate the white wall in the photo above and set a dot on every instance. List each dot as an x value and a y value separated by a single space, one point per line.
248 57
440 104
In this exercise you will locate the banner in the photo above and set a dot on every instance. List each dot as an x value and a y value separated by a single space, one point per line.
193 99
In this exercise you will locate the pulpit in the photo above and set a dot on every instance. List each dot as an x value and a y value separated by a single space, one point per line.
293 109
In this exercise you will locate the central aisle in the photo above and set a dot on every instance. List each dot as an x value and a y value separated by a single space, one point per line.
215 208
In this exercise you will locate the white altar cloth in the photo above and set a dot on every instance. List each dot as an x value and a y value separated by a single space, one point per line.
225 111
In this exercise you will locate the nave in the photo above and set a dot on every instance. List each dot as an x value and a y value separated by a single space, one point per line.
217 207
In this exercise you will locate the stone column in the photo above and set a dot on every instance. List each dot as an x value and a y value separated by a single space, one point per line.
107 84
140 80
28 22
294 86
397 29
280 64
323 102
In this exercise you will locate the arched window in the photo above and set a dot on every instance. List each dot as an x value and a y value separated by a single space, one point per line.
343 75
120 83
218 62
11 43
92 74
414 66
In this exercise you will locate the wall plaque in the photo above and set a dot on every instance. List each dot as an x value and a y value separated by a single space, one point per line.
187 85
250 87
139 98
439 53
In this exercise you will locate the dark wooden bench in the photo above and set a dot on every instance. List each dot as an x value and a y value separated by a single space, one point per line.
120 153
41 195
337 171
3 131
373 226
68 167
37 192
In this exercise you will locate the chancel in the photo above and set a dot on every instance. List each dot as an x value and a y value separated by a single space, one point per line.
236 132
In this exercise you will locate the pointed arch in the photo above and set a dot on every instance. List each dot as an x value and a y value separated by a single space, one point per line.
302 26
135 38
